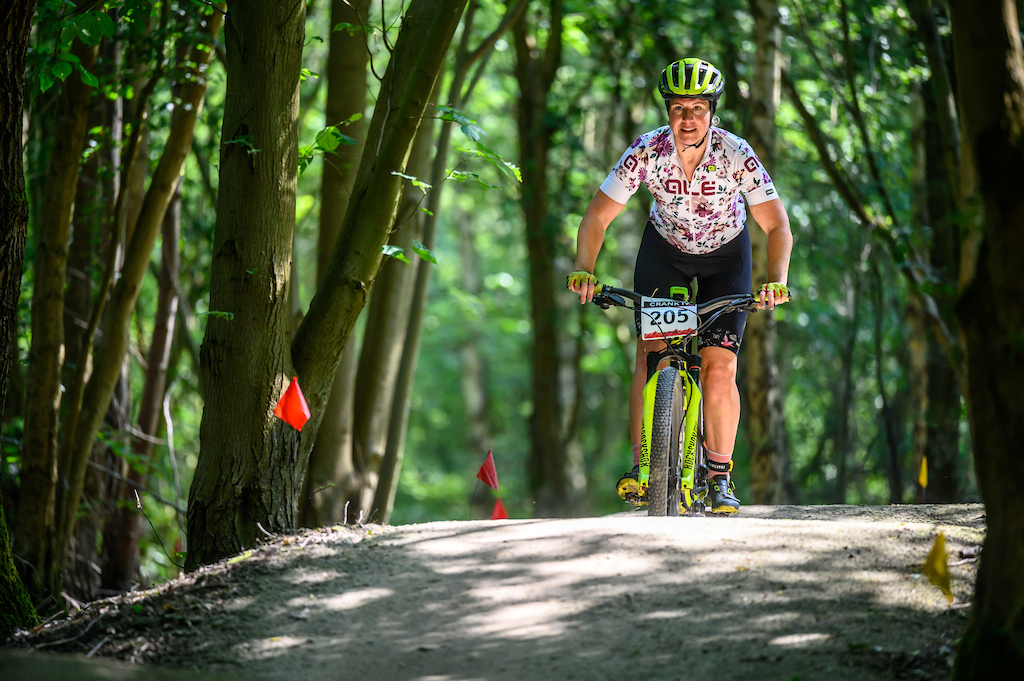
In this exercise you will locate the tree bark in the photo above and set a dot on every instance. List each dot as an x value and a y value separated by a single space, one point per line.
765 416
38 499
109 356
938 209
221 524
548 468
990 78
329 479
893 457
384 336
248 474
427 29
16 18
458 95
121 543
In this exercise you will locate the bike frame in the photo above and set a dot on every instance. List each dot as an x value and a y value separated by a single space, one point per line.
693 485
692 472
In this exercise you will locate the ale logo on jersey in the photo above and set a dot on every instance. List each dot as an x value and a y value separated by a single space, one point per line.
705 188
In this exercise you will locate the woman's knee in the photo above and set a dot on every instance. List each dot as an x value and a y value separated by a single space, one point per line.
718 369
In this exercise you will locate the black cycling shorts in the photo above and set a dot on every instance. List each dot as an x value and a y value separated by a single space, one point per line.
722 272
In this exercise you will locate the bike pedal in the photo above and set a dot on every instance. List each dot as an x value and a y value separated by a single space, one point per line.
634 499
629 487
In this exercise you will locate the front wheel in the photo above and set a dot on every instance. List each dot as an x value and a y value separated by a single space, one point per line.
666 434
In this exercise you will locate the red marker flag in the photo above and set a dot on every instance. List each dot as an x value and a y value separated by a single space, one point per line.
487 472
499 511
292 407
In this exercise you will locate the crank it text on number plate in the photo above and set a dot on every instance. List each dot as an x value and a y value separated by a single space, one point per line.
664 318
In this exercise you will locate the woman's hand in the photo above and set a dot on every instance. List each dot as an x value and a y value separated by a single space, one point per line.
583 283
771 294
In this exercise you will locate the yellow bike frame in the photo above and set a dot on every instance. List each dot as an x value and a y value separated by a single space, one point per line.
691 421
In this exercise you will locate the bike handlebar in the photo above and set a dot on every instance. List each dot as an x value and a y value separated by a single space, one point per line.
607 296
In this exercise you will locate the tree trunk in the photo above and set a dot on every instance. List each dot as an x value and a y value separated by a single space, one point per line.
218 528
38 498
122 542
548 467
248 474
427 29
16 19
938 210
458 96
384 335
765 417
845 384
990 77
893 457
329 477
95 203
473 363
734 112
936 388
109 356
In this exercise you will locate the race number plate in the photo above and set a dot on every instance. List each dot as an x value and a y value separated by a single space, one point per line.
664 318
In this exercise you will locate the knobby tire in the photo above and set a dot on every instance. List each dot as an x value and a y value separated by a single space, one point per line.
666 444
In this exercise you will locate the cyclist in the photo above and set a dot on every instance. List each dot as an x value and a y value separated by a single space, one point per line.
702 178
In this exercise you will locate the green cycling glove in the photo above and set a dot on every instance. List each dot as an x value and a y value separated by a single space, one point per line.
776 287
580 278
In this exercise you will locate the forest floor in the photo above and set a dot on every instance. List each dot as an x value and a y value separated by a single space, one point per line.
779 592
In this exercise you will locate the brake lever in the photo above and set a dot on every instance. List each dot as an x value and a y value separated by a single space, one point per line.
606 300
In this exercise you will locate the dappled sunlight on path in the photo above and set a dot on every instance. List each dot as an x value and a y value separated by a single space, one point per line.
779 592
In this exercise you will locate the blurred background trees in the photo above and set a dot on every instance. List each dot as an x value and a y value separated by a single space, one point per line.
468 341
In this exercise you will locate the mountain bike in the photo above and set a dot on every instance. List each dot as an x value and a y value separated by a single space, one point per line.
673 459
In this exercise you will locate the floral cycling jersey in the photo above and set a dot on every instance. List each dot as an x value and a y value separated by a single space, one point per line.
700 215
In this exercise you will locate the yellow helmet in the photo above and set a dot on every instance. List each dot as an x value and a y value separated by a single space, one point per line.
692 78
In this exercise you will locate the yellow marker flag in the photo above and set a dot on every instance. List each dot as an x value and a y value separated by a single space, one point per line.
922 477
936 569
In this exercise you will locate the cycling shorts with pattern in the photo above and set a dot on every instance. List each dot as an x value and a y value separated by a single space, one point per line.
722 272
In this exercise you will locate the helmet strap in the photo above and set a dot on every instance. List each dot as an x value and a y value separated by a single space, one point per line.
691 146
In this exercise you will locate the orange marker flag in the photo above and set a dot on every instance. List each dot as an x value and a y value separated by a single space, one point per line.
499 511
487 472
292 407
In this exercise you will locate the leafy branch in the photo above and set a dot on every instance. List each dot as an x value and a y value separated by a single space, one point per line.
327 142
398 253
479 151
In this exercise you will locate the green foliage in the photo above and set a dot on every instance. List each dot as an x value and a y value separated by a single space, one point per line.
422 186
398 253
466 124
246 142
62 23
474 132
218 314
602 99
395 252
327 142
16 611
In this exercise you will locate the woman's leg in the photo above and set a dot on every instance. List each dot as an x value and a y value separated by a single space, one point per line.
721 399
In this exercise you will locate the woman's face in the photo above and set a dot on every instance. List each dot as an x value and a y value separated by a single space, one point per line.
689 119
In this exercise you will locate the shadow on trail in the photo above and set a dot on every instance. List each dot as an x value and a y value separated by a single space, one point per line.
592 598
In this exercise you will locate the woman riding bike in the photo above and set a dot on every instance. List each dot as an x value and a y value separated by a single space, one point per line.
702 179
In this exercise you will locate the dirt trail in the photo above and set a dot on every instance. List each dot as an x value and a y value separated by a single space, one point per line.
781 592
